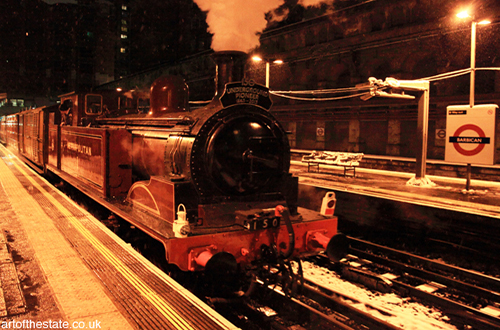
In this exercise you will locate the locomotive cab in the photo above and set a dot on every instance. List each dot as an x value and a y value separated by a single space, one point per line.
78 109
69 109
82 109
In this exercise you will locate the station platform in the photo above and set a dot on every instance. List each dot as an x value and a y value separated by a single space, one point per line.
483 197
71 272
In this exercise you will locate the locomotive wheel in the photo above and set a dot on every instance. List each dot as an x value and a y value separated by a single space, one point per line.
221 272
222 264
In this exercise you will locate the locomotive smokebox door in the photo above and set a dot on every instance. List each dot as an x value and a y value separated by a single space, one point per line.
244 154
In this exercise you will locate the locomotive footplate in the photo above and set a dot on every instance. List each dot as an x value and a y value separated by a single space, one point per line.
245 245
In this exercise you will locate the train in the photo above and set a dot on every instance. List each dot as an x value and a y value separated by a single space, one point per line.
211 183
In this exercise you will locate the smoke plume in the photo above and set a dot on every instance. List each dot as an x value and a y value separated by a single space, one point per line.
236 24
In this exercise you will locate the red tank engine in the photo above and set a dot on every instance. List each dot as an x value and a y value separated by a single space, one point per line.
211 182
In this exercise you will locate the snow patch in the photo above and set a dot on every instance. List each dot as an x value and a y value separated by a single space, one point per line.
474 192
391 308
421 182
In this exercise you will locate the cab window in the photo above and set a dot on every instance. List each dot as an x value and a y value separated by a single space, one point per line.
93 104
129 105
143 105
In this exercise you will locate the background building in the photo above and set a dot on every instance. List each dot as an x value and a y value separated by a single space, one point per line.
402 39
51 47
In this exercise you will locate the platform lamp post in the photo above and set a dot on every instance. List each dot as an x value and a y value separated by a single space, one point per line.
463 15
268 62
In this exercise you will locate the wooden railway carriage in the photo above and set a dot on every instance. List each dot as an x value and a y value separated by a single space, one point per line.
9 130
210 183
3 129
33 134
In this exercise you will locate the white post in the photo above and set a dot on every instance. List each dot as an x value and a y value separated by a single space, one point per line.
472 88
472 63
267 74
422 128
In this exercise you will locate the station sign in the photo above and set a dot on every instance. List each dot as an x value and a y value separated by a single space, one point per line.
440 134
246 92
470 134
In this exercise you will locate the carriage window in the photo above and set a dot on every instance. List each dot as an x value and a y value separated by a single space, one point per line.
93 104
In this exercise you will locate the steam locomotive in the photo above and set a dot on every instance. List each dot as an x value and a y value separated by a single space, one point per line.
211 184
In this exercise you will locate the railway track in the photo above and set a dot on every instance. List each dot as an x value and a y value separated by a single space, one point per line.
326 308
468 298
463 299
313 307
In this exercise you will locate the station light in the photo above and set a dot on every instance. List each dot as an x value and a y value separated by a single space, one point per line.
257 58
484 22
463 14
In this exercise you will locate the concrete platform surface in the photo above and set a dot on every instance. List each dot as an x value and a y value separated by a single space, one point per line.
75 273
76 294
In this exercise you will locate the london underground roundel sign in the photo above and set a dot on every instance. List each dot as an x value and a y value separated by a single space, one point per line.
471 134
479 140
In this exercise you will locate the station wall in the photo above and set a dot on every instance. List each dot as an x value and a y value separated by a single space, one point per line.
374 137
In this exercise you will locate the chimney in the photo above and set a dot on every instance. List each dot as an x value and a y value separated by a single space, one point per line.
230 67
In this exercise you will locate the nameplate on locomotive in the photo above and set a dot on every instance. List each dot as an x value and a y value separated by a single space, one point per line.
246 92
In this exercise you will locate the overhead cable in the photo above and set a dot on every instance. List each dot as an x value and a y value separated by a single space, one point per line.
320 99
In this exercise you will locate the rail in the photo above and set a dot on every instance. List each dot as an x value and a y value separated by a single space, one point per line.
467 297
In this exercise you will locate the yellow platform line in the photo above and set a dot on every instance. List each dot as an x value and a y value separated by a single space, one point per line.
167 311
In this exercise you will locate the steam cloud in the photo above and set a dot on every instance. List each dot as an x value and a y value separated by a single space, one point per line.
235 24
